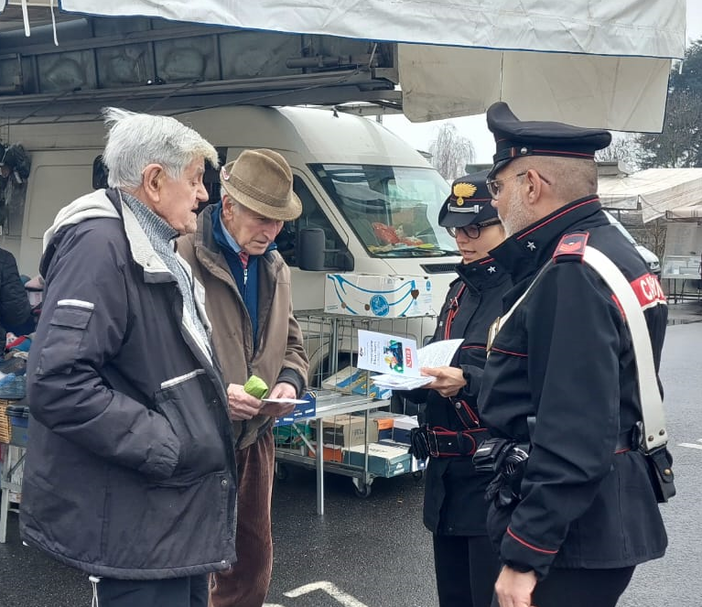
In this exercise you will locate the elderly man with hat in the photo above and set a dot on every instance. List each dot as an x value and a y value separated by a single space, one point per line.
249 303
573 510
454 506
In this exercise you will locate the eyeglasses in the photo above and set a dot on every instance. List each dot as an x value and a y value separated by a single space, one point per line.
472 230
494 186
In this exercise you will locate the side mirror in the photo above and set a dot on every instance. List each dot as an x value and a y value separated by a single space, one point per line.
310 249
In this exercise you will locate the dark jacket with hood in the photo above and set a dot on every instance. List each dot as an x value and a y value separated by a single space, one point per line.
129 470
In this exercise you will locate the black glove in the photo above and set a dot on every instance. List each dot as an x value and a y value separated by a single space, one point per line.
419 444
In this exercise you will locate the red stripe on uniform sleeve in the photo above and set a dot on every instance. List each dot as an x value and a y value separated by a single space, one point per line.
528 545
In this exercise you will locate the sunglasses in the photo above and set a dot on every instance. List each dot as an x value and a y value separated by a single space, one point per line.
472 230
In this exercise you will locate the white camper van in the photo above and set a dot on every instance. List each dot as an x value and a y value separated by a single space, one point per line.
374 198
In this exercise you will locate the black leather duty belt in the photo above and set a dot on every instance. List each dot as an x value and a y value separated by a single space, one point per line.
446 443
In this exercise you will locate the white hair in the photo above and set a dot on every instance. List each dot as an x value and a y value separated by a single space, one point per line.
135 141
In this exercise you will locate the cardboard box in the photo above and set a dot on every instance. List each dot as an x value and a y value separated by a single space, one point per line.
329 454
378 296
417 464
300 412
383 460
384 421
402 427
347 431
351 380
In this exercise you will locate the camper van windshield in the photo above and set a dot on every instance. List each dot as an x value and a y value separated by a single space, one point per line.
393 210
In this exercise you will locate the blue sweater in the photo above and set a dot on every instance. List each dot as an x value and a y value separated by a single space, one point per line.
230 250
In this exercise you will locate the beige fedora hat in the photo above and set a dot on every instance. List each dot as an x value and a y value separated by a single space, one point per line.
262 181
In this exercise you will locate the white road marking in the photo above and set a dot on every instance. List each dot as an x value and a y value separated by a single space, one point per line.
337 594
690 445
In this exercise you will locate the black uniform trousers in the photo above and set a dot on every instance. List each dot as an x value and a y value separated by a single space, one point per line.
580 587
189 591
466 569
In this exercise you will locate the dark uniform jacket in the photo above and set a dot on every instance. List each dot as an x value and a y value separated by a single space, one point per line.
130 466
454 502
565 357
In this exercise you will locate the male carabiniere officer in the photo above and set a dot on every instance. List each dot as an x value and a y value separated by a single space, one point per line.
560 378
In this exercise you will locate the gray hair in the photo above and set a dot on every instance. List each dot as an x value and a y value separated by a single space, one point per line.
136 140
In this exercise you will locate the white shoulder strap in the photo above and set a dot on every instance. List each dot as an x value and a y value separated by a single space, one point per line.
652 414
649 394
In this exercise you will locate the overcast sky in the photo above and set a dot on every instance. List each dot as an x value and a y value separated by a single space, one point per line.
420 135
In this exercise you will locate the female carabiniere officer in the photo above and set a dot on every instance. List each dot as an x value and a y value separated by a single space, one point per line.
454 504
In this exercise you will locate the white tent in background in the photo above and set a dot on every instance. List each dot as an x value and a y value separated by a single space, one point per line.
586 62
653 193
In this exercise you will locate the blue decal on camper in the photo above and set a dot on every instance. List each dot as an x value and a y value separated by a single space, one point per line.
379 305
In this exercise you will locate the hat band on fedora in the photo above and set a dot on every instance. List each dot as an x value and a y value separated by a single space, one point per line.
255 193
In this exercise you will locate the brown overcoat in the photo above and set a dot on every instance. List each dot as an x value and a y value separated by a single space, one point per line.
280 354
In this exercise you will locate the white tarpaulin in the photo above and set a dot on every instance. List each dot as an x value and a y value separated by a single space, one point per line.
613 73
654 192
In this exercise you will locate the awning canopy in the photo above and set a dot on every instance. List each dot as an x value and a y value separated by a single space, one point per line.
692 212
654 192
586 62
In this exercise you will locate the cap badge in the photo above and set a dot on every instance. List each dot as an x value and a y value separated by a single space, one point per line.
463 190
531 245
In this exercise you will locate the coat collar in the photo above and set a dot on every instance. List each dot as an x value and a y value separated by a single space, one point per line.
482 274
525 252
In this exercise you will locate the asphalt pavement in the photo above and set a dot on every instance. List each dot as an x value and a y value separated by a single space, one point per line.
374 551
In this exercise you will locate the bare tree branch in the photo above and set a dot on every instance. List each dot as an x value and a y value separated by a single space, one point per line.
451 152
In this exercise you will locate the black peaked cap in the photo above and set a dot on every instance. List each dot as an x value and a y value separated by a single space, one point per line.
515 138
469 202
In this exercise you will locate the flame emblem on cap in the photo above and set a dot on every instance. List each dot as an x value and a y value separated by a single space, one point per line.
462 191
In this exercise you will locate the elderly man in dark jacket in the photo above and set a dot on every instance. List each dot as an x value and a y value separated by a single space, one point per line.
254 332
130 472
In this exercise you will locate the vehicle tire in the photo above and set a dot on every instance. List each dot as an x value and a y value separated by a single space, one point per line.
418 475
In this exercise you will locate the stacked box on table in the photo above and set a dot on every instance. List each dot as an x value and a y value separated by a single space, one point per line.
416 465
385 420
383 460
351 380
378 296
402 428
301 411
346 431
329 454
